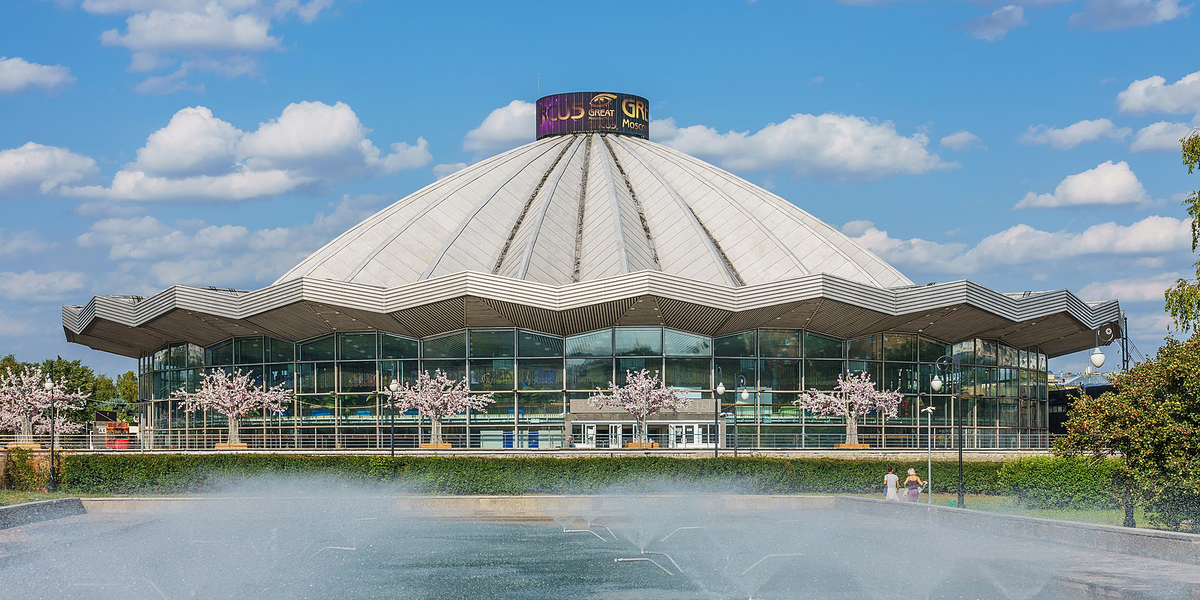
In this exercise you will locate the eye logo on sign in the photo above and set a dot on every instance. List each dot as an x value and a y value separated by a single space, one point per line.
600 112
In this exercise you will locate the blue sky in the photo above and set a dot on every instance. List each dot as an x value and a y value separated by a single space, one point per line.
1024 145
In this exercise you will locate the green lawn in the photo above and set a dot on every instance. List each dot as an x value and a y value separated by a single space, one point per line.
14 497
1009 506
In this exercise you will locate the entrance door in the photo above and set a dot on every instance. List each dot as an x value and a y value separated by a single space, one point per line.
614 436
589 436
684 436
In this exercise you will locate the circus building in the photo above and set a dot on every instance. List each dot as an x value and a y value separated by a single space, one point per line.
544 272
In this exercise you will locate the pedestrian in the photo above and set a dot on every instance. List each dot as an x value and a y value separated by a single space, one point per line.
913 485
893 483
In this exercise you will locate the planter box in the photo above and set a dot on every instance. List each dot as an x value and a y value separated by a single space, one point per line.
23 446
437 446
852 446
641 445
228 446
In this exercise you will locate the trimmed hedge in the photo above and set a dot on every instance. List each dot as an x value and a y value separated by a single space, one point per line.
22 472
1038 481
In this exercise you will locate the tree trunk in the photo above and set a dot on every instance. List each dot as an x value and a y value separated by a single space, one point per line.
435 431
26 432
643 432
851 429
233 430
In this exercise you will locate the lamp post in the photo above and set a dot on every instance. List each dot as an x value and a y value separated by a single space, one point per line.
393 387
928 410
52 485
717 414
947 365
745 396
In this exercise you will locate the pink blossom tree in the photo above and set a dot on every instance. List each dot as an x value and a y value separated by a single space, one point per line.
437 397
642 395
26 405
233 395
854 396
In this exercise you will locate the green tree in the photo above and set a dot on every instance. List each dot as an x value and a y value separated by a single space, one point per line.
77 377
127 386
1183 298
1153 422
103 389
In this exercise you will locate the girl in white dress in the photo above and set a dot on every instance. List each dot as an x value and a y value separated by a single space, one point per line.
892 482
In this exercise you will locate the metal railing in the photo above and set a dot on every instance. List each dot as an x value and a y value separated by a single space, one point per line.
520 440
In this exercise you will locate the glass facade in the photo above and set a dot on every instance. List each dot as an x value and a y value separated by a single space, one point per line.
541 384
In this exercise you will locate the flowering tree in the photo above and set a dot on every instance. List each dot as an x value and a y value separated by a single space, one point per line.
642 395
26 405
233 395
437 397
854 396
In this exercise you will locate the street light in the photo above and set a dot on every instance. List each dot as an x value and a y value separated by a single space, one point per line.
945 364
393 387
717 414
52 485
1104 335
928 410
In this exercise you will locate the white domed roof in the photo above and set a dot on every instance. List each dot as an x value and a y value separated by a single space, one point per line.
587 206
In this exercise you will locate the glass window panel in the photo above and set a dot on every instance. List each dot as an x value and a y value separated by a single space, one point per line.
356 346
455 370
985 352
822 346
1009 417
493 343
403 371
678 343
589 373
779 375
278 374
986 413
503 409
318 349
316 378
930 350
248 350
317 409
492 375
781 343
453 345
195 356
177 356
394 346
160 359
358 408
357 376
733 370
1041 362
544 374
533 344
778 407
639 341
688 373
821 374
279 351
738 344
900 377
874 369
218 354
899 347
540 403
864 348
597 343
1008 356
964 352
637 364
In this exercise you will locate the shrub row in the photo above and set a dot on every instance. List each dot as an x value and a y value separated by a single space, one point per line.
1042 482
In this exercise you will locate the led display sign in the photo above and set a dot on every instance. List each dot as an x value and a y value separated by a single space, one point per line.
599 112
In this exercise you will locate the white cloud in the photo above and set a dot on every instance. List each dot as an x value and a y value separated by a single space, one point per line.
18 74
1025 245
1131 289
34 168
961 140
1074 134
1120 14
443 170
160 33
828 145
506 127
1160 136
39 287
198 253
995 26
1107 184
1154 94
13 243
198 156
12 326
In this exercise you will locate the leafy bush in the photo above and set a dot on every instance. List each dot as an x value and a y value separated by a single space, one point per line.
22 472
1045 482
